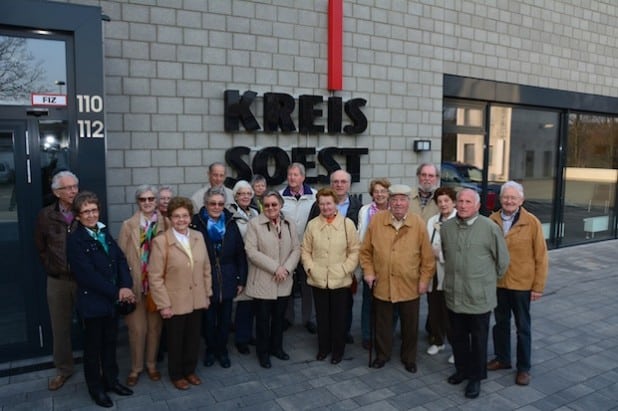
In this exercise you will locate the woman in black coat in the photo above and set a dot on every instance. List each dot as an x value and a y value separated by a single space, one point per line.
103 281
228 262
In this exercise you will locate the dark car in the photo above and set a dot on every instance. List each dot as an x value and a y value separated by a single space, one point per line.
456 174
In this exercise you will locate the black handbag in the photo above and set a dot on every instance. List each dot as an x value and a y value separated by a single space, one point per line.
124 307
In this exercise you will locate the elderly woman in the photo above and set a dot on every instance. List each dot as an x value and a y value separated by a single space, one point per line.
163 198
273 251
330 255
445 198
378 190
244 211
144 324
226 252
180 283
259 186
103 280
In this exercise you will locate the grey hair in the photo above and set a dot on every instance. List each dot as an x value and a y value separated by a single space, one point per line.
164 188
55 184
276 194
257 178
215 164
347 175
420 168
144 188
477 197
299 166
514 185
214 192
242 184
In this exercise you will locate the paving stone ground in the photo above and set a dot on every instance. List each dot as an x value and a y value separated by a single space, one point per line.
574 356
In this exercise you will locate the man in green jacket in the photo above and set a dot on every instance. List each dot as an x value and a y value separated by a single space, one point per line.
475 256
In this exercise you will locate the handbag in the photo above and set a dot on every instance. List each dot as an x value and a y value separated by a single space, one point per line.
124 307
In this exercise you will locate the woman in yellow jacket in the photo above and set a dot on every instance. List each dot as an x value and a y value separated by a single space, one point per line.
330 255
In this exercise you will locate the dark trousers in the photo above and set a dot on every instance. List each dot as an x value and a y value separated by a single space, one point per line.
348 316
331 311
305 296
437 315
517 302
469 340
269 325
366 313
100 366
216 326
243 321
408 311
183 344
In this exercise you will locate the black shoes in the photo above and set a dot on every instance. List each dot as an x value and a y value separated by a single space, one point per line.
321 356
224 360
101 399
209 360
265 362
411 367
377 363
282 355
456 378
119 389
349 339
335 360
311 327
243 348
473 389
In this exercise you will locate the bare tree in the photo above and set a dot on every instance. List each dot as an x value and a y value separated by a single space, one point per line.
20 73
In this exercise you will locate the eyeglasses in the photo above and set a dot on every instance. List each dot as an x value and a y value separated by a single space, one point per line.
271 205
69 188
214 204
243 194
144 199
180 216
91 211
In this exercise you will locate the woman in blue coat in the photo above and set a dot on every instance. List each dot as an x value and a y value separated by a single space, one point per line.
228 262
103 281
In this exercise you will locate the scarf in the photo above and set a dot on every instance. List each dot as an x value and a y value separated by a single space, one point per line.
215 229
98 234
147 231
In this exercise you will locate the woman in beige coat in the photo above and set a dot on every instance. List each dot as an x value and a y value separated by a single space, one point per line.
180 282
273 251
330 255
144 324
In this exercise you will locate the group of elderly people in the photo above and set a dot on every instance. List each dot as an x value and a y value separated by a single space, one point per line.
185 269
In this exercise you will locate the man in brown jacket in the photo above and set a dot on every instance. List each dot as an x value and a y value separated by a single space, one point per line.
523 282
398 264
53 225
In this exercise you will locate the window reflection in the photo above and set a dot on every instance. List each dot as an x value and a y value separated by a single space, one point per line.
590 177
36 66
54 145
8 199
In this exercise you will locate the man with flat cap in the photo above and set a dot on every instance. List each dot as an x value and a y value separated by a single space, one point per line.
398 265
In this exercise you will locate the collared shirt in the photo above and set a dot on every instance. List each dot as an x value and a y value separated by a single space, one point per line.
398 223
343 207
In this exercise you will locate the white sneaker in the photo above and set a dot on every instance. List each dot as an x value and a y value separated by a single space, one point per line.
434 349
451 359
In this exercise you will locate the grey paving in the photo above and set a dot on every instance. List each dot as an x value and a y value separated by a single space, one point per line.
575 364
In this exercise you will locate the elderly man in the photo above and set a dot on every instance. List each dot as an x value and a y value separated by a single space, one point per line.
523 282
298 200
164 196
216 178
347 206
398 264
53 225
475 257
421 201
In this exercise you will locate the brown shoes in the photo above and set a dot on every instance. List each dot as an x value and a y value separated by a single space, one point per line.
57 382
132 379
522 378
193 379
181 384
154 375
495 365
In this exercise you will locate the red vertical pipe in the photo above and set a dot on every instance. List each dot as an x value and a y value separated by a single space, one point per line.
335 45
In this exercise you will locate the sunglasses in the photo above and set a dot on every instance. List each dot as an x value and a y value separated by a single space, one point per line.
213 204
271 205
144 199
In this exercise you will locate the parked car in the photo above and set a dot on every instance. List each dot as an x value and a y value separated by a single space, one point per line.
456 174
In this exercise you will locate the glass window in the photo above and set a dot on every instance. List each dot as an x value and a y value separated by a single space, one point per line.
590 177
30 65
522 142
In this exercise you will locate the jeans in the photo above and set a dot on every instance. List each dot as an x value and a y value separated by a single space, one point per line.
517 302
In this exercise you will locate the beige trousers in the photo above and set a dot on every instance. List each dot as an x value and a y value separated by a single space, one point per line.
144 333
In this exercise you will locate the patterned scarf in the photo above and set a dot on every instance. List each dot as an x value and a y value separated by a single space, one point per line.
98 234
146 233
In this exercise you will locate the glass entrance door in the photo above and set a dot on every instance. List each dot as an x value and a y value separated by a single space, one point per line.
31 151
